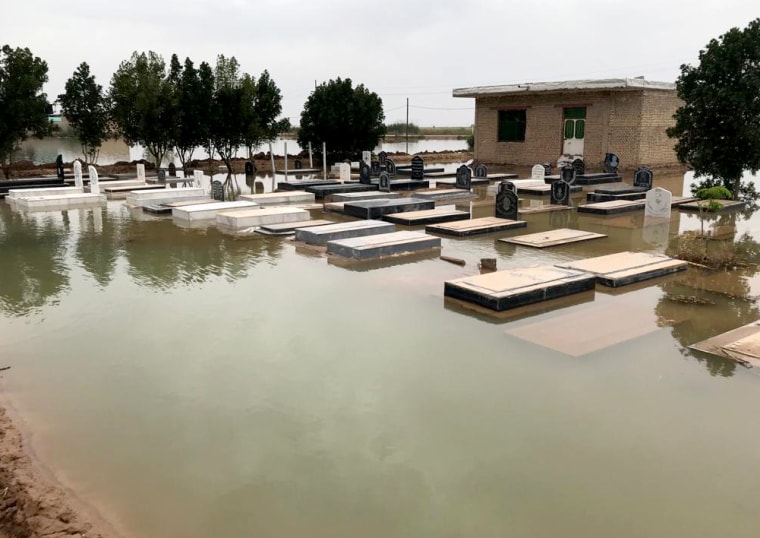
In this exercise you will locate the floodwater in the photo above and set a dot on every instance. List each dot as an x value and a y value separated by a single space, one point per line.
189 384
46 150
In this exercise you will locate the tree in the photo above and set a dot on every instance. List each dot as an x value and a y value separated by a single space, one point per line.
262 125
718 126
86 107
192 103
143 103
22 102
348 119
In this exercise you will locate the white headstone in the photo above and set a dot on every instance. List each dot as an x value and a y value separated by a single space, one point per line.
141 172
94 187
367 156
198 177
78 174
345 171
538 172
658 202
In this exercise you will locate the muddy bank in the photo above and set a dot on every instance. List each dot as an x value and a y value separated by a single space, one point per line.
31 505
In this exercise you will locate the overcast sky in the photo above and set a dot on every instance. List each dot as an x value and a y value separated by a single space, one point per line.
396 48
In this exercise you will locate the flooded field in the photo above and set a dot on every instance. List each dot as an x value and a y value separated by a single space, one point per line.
189 384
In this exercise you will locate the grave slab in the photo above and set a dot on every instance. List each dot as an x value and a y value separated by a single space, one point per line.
122 192
741 345
405 184
14 194
357 196
544 190
503 290
619 188
451 181
426 216
483 225
289 228
376 209
243 219
279 198
614 207
299 171
301 184
382 245
546 208
334 207
443 194
588 179
321 191
624 268
551 238
60 201
207 211
320 235
595 197
145 197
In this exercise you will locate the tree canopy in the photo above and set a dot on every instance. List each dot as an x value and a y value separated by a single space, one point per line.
718 126
22 102
348 119
86 107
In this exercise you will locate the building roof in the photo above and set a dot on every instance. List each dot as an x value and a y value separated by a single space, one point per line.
566 86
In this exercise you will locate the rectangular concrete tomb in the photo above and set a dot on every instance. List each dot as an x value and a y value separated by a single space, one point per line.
60 201
279 198
376 209
208 211
321 191
623 268
378 246
741 345
614 207
443 194
301 184
242 219
320 235
552 238
426 216
359 196
483 225
15 194
287 228
513 288
143 197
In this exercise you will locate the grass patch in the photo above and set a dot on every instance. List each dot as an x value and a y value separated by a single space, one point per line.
697 248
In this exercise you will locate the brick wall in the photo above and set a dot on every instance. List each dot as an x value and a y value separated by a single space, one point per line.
629 123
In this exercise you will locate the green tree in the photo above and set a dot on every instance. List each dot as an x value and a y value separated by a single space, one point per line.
86 107
22 102
143 103
229 119
192 103
718 126
263 102
348 119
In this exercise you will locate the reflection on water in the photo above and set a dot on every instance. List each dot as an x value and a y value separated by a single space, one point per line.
191 384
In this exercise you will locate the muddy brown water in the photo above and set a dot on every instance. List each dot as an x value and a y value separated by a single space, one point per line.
190 384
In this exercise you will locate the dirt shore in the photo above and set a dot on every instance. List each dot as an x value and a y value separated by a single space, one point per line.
33 505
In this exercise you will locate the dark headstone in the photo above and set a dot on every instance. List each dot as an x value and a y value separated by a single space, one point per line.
250 168
365 173
298 164
464 178
390 167
506 203
375 168
611 163
172 170
580 167
217 190
643 178
567 174
560 194
510 186
385 182
161 173
547 169
382 156
418 167
59 167
481 171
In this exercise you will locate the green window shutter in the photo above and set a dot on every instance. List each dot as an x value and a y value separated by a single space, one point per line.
569 128
576 113
580 128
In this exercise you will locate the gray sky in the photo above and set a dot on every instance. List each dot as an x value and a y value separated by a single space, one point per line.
396 48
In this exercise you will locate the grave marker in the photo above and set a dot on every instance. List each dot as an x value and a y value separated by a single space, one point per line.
365 173
382 157
367 156
567 174
78 174
390 167
506 203
418 167
481 170
141 172
658 202
217 190
560 193
59 167
509 185
580 166
94 186
298 164
464 178
197 177
172 170
161 175
250 168
547 169
385 182
375 168
344 171
538 172
611 163
643 178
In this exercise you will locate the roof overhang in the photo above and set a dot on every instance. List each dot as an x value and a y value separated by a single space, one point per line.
611 84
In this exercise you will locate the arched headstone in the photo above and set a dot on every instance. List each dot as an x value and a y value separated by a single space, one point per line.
418 168
217 190
643 177
506 203
464 178
481 170
538 172
375 168
580 167
197 177
658 202
141 172
547 169
365 173
344 171
298 164
611 163
172 170
59 167
560 193
567 174
385 182
250 168
390 167
509 185
161 173
78 182
94 185
382 157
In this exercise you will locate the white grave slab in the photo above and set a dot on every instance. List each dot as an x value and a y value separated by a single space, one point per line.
15 194
141 172
658 202
243 219
78 182
538 172
280 198
142 198
207 211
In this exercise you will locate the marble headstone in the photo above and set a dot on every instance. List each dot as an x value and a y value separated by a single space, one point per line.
643 178
367 156
390 167
78 174
198 177
567 174
385 182
481 170
506 203
345 172
560 193
94 186
611 163
658 203
538 172
365 173
464 178
418 167
141 172
217 190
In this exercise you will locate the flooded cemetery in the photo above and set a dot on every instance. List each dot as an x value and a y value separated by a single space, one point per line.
385 348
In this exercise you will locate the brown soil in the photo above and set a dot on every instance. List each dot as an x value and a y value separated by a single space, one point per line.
30 505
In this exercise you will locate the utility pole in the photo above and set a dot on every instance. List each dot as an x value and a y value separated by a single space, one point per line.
407 126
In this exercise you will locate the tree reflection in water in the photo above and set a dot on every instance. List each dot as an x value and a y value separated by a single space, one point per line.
97 247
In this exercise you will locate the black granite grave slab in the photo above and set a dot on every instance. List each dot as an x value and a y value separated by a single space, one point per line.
596 197
301 184
377 209
619 188
404 184
588 179
321 191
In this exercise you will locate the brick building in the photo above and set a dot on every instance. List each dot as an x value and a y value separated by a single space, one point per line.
526 124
